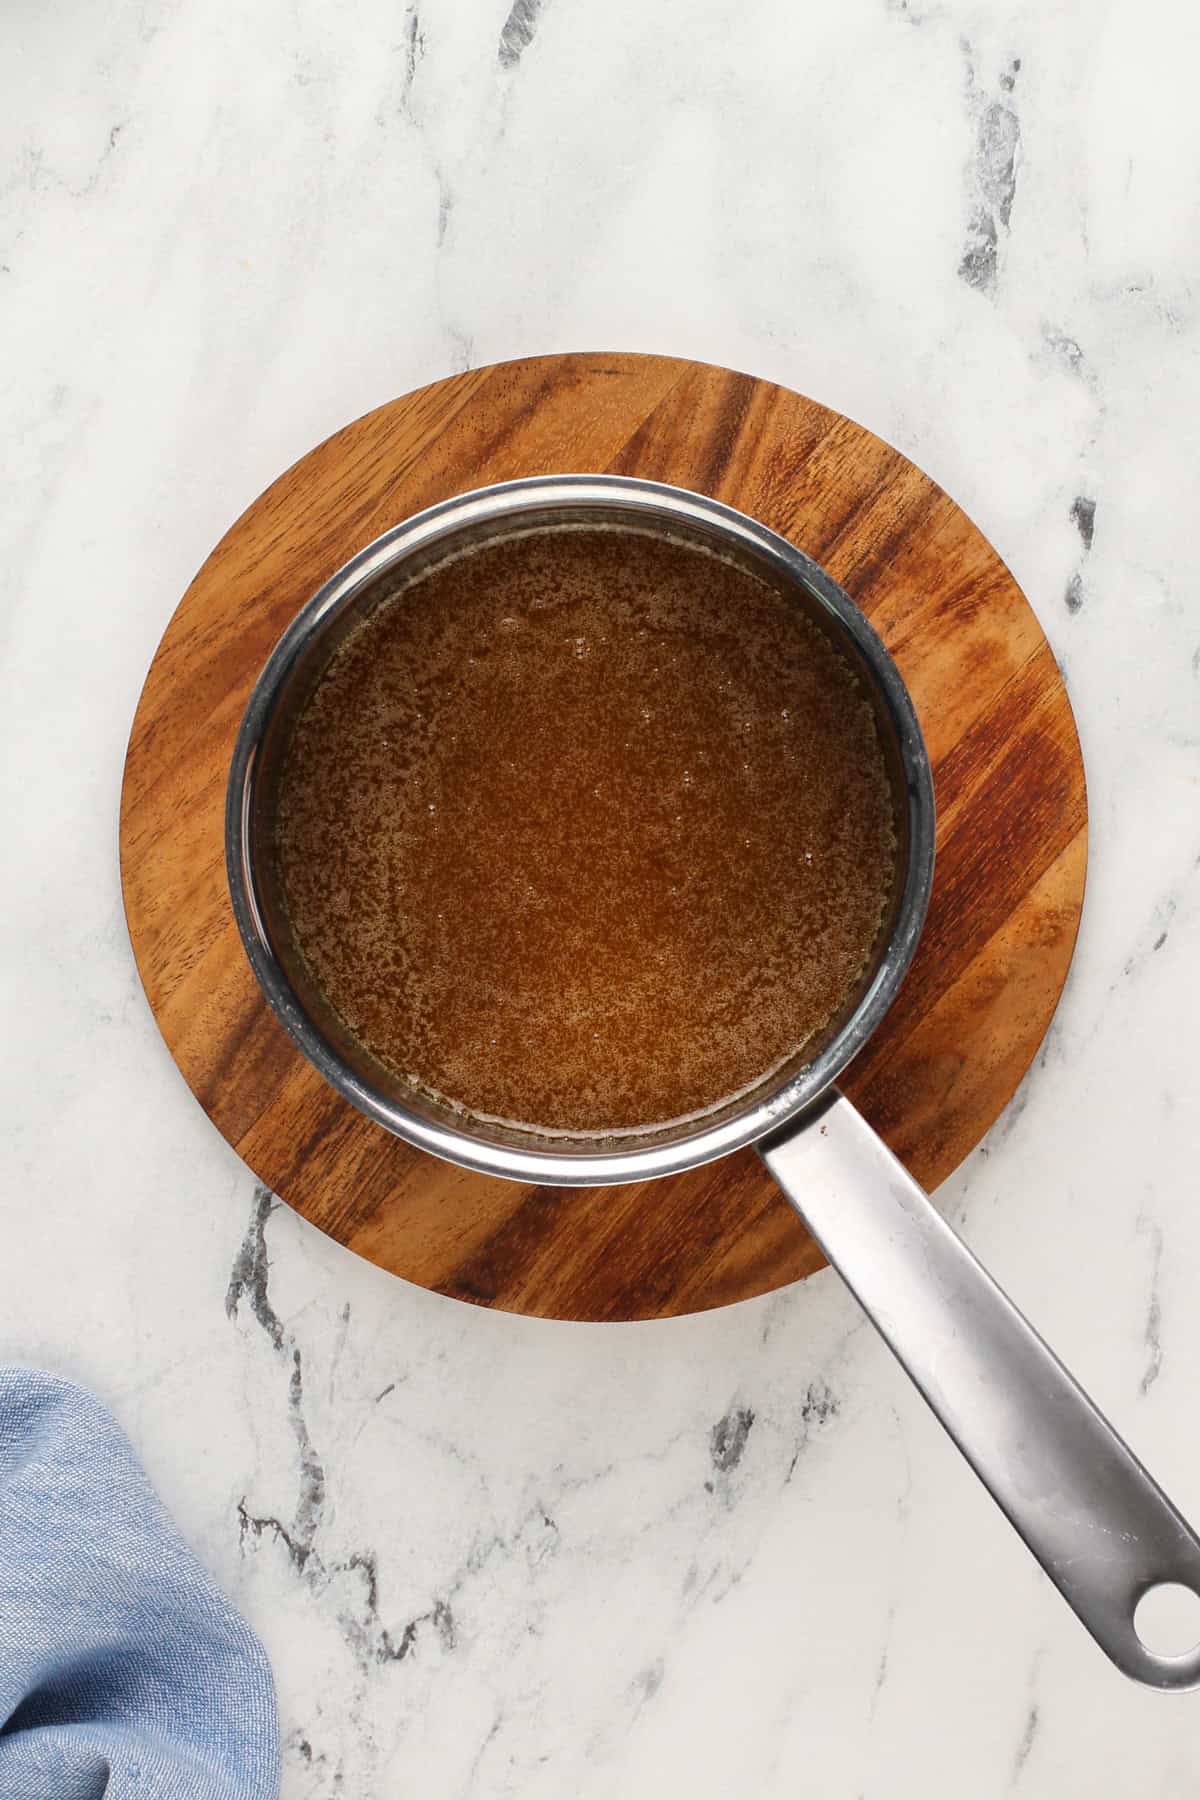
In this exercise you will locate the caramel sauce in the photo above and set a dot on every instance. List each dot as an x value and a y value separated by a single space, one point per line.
587 830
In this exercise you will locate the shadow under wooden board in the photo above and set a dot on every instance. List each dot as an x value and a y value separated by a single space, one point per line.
1011 839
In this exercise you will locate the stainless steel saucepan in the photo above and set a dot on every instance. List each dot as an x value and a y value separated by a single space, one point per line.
1100 1526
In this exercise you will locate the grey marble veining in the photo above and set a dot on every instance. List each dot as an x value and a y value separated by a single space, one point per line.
729 1554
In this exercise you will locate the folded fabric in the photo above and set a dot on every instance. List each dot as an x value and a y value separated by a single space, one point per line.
124 1673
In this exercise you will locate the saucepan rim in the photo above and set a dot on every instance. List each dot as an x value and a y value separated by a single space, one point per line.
596 1162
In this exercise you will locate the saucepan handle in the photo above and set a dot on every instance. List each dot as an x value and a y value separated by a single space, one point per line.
1098 1523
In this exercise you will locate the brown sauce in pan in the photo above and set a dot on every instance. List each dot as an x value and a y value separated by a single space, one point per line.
587 830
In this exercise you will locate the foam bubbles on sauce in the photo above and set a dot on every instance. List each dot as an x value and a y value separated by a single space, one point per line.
586 830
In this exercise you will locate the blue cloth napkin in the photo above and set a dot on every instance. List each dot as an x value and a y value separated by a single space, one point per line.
124 1673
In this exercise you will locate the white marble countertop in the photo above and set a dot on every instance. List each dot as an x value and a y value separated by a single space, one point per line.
729 1555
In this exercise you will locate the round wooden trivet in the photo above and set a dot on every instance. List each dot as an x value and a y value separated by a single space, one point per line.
1011 847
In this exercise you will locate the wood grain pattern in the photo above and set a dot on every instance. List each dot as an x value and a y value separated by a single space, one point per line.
1007 770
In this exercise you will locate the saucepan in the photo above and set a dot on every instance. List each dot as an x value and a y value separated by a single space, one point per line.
1100 1526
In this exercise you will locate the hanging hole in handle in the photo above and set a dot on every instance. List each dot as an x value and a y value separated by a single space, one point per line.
1167 1619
